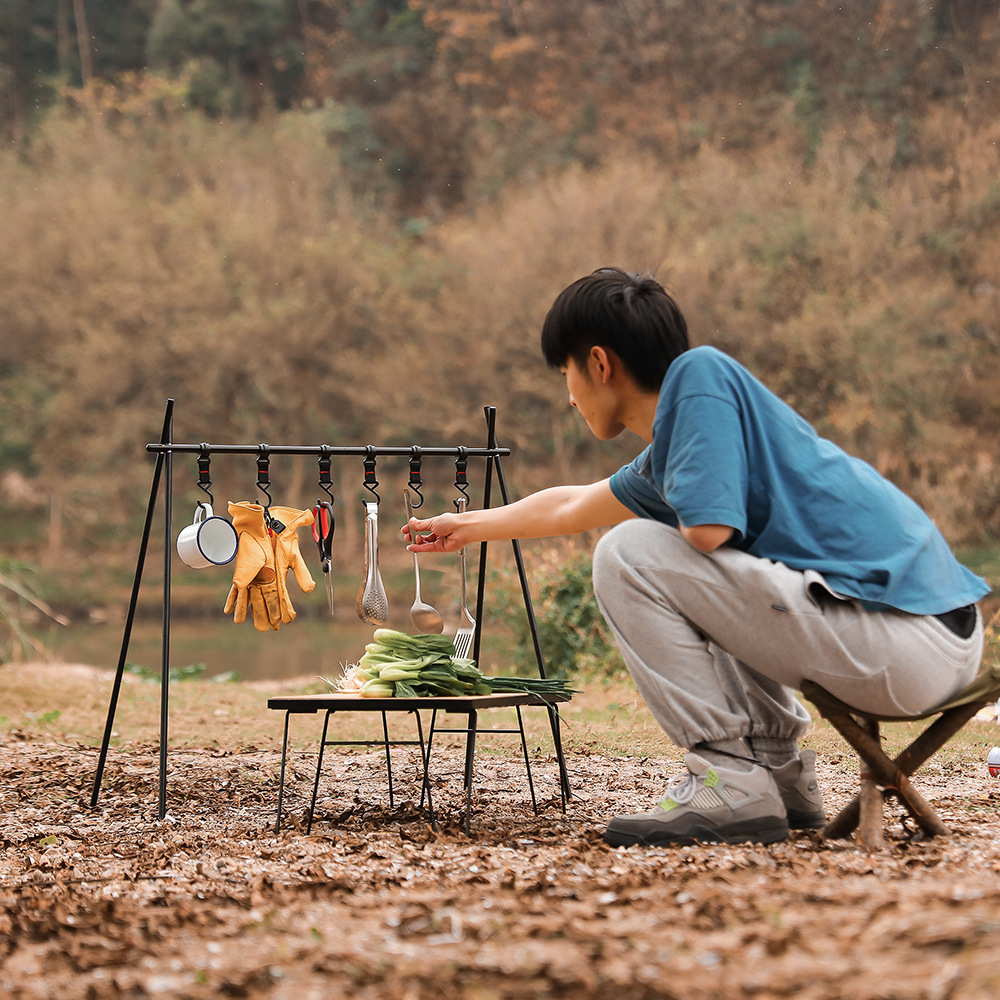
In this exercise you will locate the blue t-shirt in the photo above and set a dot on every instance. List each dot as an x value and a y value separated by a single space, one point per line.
726 450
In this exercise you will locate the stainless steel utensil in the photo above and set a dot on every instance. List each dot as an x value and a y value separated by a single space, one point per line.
371 604
424 617
467 624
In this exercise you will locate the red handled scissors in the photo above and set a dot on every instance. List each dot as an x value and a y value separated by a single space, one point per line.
323 527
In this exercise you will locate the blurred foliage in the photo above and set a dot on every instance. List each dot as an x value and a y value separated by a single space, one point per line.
189 672
343 221
437 101
573 635
21 606
238 57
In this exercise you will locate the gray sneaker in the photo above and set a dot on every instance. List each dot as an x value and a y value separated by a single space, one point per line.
800 792
711 805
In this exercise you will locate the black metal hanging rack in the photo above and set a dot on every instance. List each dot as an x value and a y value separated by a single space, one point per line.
166 448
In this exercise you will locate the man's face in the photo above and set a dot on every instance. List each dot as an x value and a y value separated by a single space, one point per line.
593 396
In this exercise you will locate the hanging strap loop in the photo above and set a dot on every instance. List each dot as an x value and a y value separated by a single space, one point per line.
204 476
371 483
264 472
461 476
325 480
414 481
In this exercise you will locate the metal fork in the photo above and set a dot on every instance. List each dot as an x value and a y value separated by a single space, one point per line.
467 624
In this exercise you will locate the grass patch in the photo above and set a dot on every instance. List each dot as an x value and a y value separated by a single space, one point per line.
606 717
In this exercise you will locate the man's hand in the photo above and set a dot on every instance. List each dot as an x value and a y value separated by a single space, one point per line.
560 510
443 533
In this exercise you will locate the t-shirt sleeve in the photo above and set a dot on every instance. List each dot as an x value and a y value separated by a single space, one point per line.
632 487
701 467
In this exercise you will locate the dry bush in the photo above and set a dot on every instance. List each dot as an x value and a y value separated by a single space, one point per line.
508 262
211 262
862 293
154 253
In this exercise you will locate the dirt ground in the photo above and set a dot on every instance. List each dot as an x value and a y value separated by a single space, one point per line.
210 902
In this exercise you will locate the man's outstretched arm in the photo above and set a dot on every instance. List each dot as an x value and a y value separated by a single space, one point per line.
559 510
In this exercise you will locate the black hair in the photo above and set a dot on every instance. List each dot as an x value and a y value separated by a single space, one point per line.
629 314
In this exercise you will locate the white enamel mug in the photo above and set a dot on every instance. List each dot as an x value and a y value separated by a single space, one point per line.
209 540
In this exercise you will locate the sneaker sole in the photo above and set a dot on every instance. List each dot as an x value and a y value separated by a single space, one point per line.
751 834
805 820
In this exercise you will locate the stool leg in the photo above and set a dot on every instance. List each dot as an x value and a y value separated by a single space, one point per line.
470 753
565 791
319 767
388 758
425 756
281 783
527 762
884 772
870 802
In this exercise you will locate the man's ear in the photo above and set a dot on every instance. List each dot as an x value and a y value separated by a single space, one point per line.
601 362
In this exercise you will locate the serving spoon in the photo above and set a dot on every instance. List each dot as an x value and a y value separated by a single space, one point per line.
423 616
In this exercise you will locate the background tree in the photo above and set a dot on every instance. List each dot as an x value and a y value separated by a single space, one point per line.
241 56
40 49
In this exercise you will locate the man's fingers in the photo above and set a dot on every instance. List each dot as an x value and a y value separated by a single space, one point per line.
412 530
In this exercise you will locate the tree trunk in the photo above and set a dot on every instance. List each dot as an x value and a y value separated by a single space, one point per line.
83 41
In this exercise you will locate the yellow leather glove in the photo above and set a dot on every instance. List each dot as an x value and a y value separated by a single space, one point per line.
254 578
287 555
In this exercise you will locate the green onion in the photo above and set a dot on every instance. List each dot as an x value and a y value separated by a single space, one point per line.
399 665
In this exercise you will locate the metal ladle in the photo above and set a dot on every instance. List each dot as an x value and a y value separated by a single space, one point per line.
423 616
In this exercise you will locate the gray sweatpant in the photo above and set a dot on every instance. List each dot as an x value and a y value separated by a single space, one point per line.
717 644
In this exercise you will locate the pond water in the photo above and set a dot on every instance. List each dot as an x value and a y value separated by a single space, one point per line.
306 647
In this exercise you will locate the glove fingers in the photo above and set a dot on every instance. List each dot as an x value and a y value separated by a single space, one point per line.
286 611
261 618
302 575
237 604
272 604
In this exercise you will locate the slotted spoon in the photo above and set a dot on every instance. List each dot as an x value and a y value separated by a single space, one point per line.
371 603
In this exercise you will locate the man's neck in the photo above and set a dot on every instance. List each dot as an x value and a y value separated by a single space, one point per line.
638 412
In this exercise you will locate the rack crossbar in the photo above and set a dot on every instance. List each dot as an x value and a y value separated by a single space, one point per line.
362 451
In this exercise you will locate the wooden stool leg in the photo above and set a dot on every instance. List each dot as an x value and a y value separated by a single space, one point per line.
870 801
877 770
882 777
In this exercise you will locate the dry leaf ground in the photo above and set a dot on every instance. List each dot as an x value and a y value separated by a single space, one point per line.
210 902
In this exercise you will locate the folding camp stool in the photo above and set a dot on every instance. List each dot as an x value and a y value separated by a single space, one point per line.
882 777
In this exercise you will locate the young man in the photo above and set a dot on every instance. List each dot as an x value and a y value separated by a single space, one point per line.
748 554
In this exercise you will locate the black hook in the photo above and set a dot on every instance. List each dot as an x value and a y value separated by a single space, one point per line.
461 475
371 482
263 473
204 478
325 482
415 483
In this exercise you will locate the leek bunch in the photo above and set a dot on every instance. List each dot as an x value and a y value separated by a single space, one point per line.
399 665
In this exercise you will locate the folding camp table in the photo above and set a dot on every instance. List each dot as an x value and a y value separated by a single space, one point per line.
468 705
